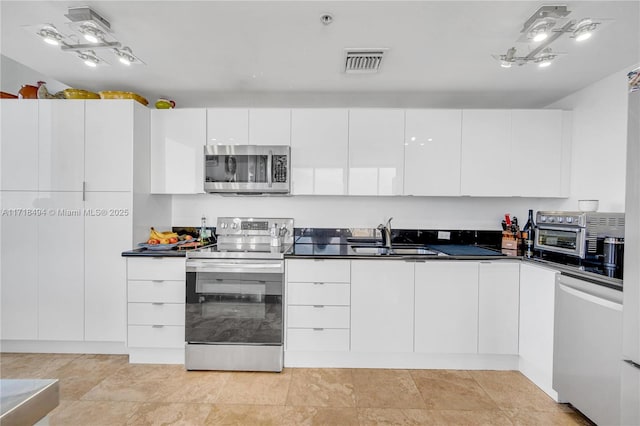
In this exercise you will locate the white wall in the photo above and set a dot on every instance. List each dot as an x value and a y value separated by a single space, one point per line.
599 141
14 75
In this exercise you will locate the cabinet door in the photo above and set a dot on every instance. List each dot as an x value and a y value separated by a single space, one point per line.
227 126
106 236
109 133
19 147
376 151
537 301
432 152
270 126
19 265
446 306
178 137
532 132
319 151
61 145
381 306
498 308
60 246
486 153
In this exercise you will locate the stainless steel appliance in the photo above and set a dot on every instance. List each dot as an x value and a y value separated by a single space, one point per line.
587 348
613 252
247 168
630 369
235 296
578 234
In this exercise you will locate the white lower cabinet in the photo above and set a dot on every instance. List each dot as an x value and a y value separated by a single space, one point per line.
155 309
537 301
446 307
382 306
498 300
318 299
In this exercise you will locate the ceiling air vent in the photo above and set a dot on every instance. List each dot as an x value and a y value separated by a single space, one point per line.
359 61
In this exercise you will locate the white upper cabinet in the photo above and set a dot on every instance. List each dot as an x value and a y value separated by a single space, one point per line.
376 151
486 151
19 147
270 126
498 308
533 132
227 126
178 137
60 145
319 151
432 152
109 135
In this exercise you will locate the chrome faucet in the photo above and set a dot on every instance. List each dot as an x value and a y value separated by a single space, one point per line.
385 230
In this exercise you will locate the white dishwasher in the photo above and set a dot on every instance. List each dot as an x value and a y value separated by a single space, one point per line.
588 348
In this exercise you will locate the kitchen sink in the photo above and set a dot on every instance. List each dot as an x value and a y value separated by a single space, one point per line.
370 250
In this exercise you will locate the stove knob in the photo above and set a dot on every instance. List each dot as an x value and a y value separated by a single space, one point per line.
223 225
569 219
543 218
551 218
234 225
560 219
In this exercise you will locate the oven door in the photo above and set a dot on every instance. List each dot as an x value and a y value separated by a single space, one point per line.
565 240
234 302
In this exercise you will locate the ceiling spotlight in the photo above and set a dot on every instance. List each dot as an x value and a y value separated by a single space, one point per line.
89 57
540 31
505 64
584 30
125 56
544 61
50 35
91 33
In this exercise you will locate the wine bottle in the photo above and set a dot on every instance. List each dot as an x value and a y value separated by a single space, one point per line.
529 228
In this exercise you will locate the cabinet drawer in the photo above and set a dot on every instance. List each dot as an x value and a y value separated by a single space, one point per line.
148 336
156 291
318 294
320 339
321 270
318 316
156 314
156 268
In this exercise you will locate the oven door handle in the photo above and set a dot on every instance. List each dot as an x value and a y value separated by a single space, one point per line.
250 268
561 228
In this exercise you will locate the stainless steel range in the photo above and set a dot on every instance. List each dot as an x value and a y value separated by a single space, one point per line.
235 289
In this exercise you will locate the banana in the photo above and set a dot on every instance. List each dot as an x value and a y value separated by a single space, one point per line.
162 236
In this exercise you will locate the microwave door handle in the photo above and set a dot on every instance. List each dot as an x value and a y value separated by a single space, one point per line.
269 166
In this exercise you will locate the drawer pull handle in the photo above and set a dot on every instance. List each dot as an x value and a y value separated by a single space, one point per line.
157 326
319 283
157 281
318 329
318 306
157 303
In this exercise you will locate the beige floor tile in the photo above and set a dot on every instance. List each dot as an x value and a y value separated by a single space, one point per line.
122 389
451 390
95 413
394 416
199 387
377 388
510 389
85 372
470 417
170 414
249 415
308 416
256 388
34 366
549 418
321 388
150 372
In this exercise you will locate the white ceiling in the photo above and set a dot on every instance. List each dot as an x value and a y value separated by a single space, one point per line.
203 53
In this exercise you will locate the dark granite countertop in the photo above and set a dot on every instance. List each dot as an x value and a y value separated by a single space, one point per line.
143 252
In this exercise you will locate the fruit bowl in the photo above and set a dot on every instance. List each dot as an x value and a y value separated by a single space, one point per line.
123 95
80 94
161 246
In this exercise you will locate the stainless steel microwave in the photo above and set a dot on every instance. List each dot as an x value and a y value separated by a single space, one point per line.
247 169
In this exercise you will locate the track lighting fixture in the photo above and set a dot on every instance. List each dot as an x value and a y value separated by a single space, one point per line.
544 27
87 26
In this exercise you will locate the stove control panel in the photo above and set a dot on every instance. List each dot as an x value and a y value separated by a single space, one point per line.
253 226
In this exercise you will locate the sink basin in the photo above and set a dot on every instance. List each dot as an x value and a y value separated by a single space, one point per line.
412 250
370 250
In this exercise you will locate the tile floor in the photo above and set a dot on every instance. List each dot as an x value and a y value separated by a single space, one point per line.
107 390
